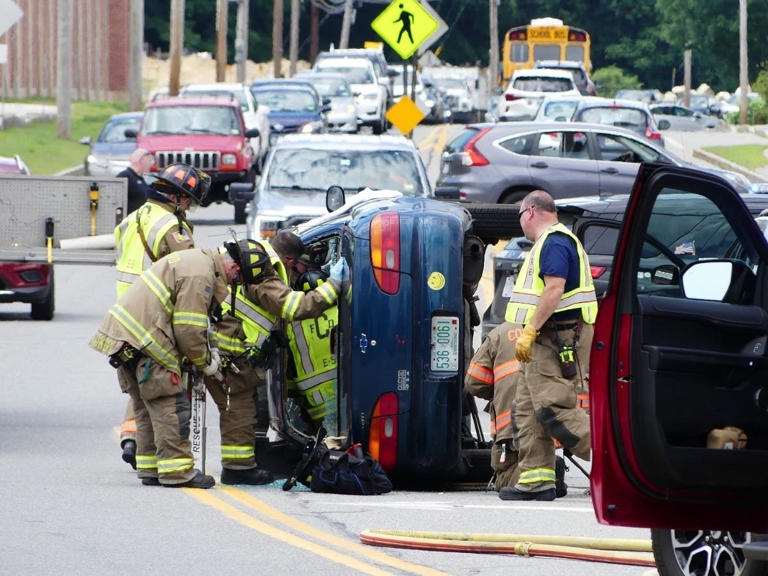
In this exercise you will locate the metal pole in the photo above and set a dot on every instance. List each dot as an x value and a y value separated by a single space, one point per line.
221 40
346 23
136 53
743 74
277 38
176 46
241 41
687 76
294 42
493 61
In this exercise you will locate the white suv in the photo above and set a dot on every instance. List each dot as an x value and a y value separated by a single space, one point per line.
255 115
370 89
527 89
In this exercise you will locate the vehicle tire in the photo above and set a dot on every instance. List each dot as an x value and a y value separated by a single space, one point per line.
514 197
704 553
494 222
240 215
44 310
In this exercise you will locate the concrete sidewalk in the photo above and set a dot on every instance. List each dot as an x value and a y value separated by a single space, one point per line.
16 114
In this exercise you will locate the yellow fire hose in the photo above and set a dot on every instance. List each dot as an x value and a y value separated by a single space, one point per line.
609 550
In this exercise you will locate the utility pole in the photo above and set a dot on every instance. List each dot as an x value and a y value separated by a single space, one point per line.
64 65
294 40
493 61
314 32
277 38
346 24
221 39
241 39
177 44
136 53
743 73
687 74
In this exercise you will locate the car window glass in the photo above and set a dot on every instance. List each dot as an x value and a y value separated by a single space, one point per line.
458 143
519 144
353 74
549 144
542 84
617 148
600 240
115 131
685 227
631 118
558 109
288 100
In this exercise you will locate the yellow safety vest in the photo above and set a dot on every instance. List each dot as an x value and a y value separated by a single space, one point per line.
310 343
529 285
132 258
257 322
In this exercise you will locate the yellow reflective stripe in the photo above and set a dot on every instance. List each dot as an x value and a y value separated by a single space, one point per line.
146 342
302 347
231 452
146 462
537 475
316 379
328 292
159 289
291 305
181 318
229 343
174 465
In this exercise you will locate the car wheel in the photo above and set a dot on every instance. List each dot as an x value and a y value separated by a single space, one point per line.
493 222
514 197
44 310
703 553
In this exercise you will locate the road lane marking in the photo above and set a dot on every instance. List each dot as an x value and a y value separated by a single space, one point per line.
451 506
249 501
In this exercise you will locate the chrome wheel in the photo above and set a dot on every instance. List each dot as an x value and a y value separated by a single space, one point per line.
703 553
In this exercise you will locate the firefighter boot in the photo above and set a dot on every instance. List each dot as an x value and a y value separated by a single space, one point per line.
129 452
200 480
515 493
561 488
252 476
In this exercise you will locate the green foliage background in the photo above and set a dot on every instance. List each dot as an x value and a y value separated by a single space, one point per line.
644 39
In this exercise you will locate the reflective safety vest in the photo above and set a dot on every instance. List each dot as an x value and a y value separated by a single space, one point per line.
132 258
310 342
529 284
257 322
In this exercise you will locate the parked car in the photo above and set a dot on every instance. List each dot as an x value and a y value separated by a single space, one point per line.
110 153
301 168
629 114
733 104
436 102
527 89
703 103
294 106
503 162
255 115
458 97
371 90
684 119
647 95
342 117
580 75
400 342
23 281
557 108
376 56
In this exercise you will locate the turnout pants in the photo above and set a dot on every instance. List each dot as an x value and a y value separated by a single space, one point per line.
128 427
238 417
162 409
547 408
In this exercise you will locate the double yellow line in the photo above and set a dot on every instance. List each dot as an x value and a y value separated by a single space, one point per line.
435 139
256 515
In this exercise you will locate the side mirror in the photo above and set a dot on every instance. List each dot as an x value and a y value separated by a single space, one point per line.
326 108
664 124
252 133
131 132
241 191
85 140
326 101
334 198
718 280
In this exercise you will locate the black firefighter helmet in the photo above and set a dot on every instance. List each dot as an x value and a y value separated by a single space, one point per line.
182 179
252 259
310 280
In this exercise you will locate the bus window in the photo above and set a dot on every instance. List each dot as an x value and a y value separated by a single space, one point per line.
546 52
574 53
518 53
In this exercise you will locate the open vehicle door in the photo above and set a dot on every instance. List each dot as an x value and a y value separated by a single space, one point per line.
676 356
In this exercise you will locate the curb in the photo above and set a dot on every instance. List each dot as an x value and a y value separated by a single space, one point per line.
721 162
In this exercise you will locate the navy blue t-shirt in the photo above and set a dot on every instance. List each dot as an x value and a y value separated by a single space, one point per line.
559 258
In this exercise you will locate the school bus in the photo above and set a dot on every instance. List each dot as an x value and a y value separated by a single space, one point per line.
543 39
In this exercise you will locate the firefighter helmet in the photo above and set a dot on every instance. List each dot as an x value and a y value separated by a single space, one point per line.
310 280
252 259
182 179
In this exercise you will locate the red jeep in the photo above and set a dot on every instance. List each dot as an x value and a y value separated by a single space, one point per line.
206 132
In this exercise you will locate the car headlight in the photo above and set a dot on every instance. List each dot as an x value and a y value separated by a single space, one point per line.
311 128
97 161
429 103
228 159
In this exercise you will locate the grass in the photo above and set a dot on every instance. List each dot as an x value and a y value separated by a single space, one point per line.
751 156
43 152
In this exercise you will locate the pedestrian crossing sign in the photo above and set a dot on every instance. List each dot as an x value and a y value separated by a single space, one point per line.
404 25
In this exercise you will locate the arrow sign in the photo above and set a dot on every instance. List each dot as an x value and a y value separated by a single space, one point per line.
404 25
9 15
442 28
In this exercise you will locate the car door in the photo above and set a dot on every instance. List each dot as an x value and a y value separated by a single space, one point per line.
672 365
561 163
617 163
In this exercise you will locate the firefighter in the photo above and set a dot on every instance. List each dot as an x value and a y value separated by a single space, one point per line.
249 337
159 325
314 381
554 300
157 228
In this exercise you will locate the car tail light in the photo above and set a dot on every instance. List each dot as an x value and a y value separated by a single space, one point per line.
382 437
597 271
471 156
510 97
385 251
652 134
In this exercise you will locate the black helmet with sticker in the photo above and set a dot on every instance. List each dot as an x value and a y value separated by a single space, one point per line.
252 259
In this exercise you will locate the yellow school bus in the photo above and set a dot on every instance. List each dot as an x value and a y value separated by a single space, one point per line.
543 39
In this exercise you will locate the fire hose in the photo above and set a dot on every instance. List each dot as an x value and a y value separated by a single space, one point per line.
609 550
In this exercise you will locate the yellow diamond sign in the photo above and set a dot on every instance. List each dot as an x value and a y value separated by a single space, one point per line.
405 115
404 25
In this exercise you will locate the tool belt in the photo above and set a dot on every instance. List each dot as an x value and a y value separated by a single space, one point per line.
127 356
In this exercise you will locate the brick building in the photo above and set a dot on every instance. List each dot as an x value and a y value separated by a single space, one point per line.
100 50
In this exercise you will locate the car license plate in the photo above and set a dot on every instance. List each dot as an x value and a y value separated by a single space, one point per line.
444 352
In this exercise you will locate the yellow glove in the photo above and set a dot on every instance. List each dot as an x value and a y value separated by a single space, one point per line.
525 343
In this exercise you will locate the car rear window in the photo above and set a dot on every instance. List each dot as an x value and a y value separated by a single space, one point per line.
631 118
542 84
458 143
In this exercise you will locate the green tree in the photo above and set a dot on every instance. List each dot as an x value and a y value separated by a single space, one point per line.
612 78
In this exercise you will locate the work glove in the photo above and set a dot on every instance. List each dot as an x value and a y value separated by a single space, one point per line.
525 343
339 270
213 369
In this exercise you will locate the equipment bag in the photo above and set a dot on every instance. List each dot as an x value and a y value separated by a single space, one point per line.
341 473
